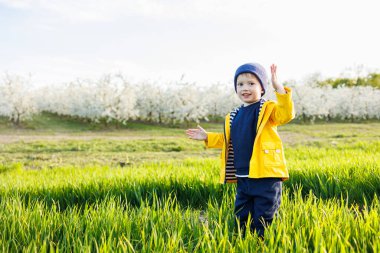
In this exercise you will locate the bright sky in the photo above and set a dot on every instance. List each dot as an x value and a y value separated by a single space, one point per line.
206 40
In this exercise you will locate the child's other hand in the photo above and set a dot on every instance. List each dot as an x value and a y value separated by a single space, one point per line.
276 85
197 133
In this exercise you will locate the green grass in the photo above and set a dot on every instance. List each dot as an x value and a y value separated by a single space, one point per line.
48 123
99 145
329 133
161 225
139 209
157 191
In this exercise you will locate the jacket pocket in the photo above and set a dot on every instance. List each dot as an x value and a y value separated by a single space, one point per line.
272 153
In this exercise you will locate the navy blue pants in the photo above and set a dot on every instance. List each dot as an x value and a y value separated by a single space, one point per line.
258 198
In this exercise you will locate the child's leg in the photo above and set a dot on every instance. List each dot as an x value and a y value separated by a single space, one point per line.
266 204
243 205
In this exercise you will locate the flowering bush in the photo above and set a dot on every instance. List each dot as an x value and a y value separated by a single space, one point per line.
112 98
109 98
17 99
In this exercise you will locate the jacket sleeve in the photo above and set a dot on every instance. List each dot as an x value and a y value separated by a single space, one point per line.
214 140
283 111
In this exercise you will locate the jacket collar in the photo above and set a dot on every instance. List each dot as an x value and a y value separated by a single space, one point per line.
235 111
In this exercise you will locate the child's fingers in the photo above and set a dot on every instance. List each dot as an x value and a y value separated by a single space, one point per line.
192 132
191 135
273 68
194 136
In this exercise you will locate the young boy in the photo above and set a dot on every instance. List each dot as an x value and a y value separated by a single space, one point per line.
252 152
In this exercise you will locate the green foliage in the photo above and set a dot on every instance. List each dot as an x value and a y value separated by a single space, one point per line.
372 79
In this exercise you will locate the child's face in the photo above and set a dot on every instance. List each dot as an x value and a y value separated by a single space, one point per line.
248 88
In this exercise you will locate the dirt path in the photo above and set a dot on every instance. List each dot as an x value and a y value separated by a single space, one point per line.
287 137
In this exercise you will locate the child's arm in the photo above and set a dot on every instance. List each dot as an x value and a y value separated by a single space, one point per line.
278 87
283 112
212 140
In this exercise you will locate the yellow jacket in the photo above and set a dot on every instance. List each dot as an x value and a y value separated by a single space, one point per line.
268 158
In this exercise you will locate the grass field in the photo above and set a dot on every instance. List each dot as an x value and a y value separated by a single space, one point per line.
70 186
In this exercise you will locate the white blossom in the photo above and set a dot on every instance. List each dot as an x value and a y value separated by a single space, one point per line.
109 98
112 98
17 98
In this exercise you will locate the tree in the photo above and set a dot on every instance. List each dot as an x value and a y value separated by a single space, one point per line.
17 99
107 99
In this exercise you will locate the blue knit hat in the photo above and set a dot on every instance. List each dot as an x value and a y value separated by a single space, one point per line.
257 70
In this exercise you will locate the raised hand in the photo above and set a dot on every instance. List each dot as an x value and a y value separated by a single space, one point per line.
276 85
197 133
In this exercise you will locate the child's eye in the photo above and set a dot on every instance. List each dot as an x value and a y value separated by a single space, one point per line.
240 84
